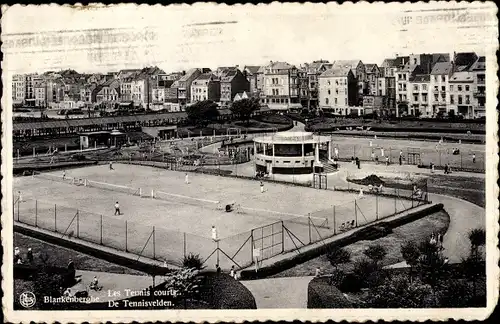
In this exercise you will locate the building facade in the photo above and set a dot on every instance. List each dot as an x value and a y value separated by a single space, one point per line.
478 69
461 94
439 98
205 87
419 102
281 86
231 83
338 90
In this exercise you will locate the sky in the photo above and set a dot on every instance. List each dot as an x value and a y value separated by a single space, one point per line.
179 37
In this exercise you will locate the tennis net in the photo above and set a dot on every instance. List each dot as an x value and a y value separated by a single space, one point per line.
187 200
114 187
53 177
289 217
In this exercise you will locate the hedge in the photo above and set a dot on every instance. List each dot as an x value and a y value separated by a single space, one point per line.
321 294
28 168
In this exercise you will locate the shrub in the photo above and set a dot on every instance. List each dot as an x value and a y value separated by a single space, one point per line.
375 252
368 273
193 261
338 256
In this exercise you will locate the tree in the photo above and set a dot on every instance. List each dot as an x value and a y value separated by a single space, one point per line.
202 113
411 254
244 108
376 253
431 265
473 265
338 256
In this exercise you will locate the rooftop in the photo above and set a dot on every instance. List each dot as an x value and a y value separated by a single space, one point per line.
420 78
442 68
336 72
465 76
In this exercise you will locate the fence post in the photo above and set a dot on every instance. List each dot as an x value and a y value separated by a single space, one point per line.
154 245
101 231
395 202
309 227
18 205
77 224
126 236
36 213
334 222
184 244
376 206
55 218
356 213
282 236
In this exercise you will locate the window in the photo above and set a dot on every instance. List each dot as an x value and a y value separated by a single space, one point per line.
337 82
467 88
346 101
459 99
443 78
329 82
436 78
467 99
335 100
451 87
327 101
436 88
424 97
329 91
336 91
459 88
415 97
415 87
435 97
443 96
424 87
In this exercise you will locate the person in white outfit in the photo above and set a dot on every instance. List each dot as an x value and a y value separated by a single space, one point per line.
215 236
261 187
186 178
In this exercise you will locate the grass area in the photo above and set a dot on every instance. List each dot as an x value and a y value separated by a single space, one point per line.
471 189
59 256
417 230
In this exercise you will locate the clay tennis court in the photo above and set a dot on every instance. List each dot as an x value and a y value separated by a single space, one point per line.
179 220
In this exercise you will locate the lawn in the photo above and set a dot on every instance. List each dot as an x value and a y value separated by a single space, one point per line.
60 256
417 230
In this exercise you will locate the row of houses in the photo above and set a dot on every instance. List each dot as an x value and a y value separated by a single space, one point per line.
419 84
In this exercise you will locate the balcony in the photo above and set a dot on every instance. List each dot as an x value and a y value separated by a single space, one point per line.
479 94
481 81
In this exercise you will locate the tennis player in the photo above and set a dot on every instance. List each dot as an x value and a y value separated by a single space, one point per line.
111 165
186 178
64 175
261 187
19 196
117 209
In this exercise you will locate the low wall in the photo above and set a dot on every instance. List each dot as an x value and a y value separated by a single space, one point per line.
30 167
320 248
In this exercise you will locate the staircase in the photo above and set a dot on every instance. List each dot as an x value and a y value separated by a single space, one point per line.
327 165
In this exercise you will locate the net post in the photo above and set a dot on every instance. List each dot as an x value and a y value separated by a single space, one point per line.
55 218
36 213
140 192
85 183
152 193
126 236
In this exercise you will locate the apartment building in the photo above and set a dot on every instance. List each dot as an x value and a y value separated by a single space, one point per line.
314 70
108 94
255 76
231 83
206 87
359 72
419 95
438 88
281 86
183 86
18 88
338 90
478 69
461 94
372 75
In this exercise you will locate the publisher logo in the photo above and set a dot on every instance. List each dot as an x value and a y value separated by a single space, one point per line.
27 299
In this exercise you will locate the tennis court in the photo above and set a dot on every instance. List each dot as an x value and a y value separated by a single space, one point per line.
179 219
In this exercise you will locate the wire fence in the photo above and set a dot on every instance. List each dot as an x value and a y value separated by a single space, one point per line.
453 155
288 233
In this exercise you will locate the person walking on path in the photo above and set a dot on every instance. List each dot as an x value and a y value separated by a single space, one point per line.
261 187
358 163
111 165
117 209
29 255
400 159
473 158
186 178
446 169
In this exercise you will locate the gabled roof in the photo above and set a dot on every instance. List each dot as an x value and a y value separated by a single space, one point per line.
465 59
369 67
229 76
440 57
479 65
389 63
253 69
442 68
420 78
205 78
336 72
188 74
401 60
351 64
465 76
280 66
